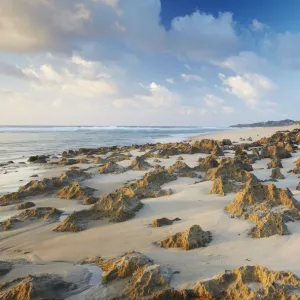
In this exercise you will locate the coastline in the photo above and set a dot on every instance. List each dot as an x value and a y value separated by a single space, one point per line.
191 201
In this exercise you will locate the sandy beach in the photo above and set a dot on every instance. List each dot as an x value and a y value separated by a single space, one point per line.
32 247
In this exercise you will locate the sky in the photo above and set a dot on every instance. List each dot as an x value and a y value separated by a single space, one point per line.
148 62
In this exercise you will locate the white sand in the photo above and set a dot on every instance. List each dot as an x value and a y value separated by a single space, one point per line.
231 247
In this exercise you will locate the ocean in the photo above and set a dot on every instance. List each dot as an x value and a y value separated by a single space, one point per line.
17 143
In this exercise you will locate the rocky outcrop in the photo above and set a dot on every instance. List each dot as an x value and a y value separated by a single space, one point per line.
275 152
297 169
276 174
37 287
39 213
25 205
38 187
99 161
114 158
298 187
256 200
269 225
223 186
164 222
207 163
77 221
123 266
139 164
250 282
181 169
207 146
111 167
75 191
67 162
192 238
179 158
38 159
275 163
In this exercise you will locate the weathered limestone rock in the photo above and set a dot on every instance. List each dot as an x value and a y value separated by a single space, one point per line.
123 266
207 163
297 169
256 199
164 222
67 161
99 161
139 164
269 225
192 238
223 186
114 158
111 167
75 191
298 187
36 287
179 158
276 174
181 169
207 146
275 163
38 159
250 282
25 205
274 152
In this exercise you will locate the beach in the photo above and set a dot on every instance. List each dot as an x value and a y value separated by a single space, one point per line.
33 247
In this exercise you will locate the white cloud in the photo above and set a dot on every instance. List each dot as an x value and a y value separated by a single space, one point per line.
170 80
257 26
212 100
192 77
228 109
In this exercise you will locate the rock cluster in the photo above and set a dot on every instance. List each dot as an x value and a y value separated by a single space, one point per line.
204 164
25 205
37 287
38 159
75 191
111 167
276 174
139 164
181 169
192 238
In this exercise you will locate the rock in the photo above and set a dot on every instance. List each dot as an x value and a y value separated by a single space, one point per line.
181 169
111 167
117 158
34 175
5 267
275 152
38 159
297 169
276 174
275 163
237 284
207 163
156 160
223 186
99 161
37 287
226 142
123 266
75 191
25 205
76 221
269 225
179 158
139 164
192 238
298 187
164 222
206 146
257 199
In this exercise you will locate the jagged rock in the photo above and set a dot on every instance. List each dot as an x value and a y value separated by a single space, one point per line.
25 205
67 161
226 142
117 158
123 266
99 161
256 199
39 213
288 147
275 163
164 222
75 191
192 238
238 284
269 225
223 186
139 164
111 167
298 187
207 163
5 267
181 169
275 152
38 159
276 174
297 169
156 160
36 287
206 146
179 158
76 221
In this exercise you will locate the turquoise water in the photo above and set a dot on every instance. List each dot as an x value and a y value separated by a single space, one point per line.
19 142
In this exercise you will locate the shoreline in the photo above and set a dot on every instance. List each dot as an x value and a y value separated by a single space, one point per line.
190 200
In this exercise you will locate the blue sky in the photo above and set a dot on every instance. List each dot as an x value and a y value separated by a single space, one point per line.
150 62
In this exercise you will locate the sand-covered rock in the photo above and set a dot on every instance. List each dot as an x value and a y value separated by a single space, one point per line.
75 191
207 163
67 161
100 161
222 185
124 266
276 174
38 159
275 163
192 238
179 158
111 167
114 158
164 222
207 146
139 164
25 205
269 225
250 282
36 288
257 199
181 169
274 152
297 169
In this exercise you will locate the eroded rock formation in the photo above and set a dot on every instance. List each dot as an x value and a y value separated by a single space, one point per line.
164 222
